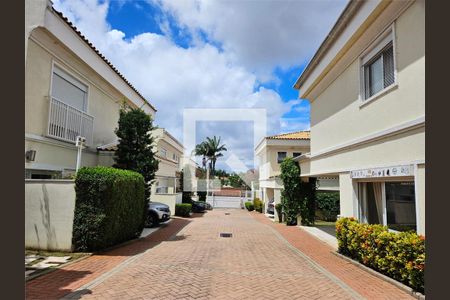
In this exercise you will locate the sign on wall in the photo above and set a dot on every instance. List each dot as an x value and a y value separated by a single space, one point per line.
396 171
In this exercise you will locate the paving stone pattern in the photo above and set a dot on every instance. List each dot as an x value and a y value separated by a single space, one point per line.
189 260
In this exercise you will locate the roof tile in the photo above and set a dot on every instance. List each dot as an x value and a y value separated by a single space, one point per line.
65 19
297 135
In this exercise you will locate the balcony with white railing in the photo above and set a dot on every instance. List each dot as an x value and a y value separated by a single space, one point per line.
66 122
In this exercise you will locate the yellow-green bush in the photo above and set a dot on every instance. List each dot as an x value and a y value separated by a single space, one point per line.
258 204
249 206
400 256
183 209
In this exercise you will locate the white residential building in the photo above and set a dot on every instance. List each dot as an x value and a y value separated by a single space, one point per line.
366 88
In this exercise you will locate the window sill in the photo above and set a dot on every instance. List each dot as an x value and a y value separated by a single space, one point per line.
378 95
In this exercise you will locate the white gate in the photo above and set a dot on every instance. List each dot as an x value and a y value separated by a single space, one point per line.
226 201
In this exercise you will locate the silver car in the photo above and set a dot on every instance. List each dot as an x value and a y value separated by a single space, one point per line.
157 212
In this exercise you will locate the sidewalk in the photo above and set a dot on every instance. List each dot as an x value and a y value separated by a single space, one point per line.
364 283
69 278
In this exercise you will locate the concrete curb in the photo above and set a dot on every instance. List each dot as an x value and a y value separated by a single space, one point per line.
398 284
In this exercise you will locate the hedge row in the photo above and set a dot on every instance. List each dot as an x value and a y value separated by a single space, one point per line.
183 209
110 207
327 205
249 206
400 256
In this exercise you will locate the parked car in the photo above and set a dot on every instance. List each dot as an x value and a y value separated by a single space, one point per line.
157 213
271 207
208 206
198 206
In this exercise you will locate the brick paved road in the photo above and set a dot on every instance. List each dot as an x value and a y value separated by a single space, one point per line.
256 263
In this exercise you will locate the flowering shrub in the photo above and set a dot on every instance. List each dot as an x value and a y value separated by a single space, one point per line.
400 256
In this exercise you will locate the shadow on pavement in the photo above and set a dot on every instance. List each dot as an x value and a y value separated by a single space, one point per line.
154 239
53 285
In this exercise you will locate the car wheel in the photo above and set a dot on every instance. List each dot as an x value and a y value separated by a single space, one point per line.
151 220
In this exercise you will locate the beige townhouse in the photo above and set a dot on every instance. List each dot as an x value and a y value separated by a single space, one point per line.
270 152
366 88
169 152
71 90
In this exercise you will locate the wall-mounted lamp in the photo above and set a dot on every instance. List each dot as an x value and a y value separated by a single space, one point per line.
30 155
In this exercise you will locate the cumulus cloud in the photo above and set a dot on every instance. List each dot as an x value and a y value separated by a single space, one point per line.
259 35
254 39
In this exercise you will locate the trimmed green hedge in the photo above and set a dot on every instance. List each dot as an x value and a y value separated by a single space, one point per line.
183 209
327 205
258 205
400 256
249 206
110 207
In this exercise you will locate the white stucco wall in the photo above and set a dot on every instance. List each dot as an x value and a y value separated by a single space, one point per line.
169 199
347 196
104 102
49 212
337 117
420 195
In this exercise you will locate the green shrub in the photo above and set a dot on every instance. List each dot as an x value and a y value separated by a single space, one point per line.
308 209
183 209
110 207
279 208
258 205
400 256
327 204
249 206
292 194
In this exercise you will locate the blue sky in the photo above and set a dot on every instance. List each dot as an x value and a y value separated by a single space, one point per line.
211 54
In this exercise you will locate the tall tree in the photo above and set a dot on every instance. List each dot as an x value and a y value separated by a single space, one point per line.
291 195
134 151
210 150
215 150
202 150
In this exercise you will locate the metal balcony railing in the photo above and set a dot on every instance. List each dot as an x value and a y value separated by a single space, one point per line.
66 122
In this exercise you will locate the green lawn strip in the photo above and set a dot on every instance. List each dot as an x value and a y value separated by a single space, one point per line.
324 223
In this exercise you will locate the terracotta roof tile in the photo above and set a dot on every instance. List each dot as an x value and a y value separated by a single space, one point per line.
298 135
71 25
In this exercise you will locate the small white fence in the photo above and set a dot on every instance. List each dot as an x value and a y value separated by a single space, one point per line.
66 122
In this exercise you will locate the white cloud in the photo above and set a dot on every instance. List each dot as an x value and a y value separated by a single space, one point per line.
259 35
203 76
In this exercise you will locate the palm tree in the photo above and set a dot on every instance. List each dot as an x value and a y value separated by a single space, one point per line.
214 151
202 150
210 150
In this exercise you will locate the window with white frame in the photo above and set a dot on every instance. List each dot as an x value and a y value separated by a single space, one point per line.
68 89
378 67
163 152
388 203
